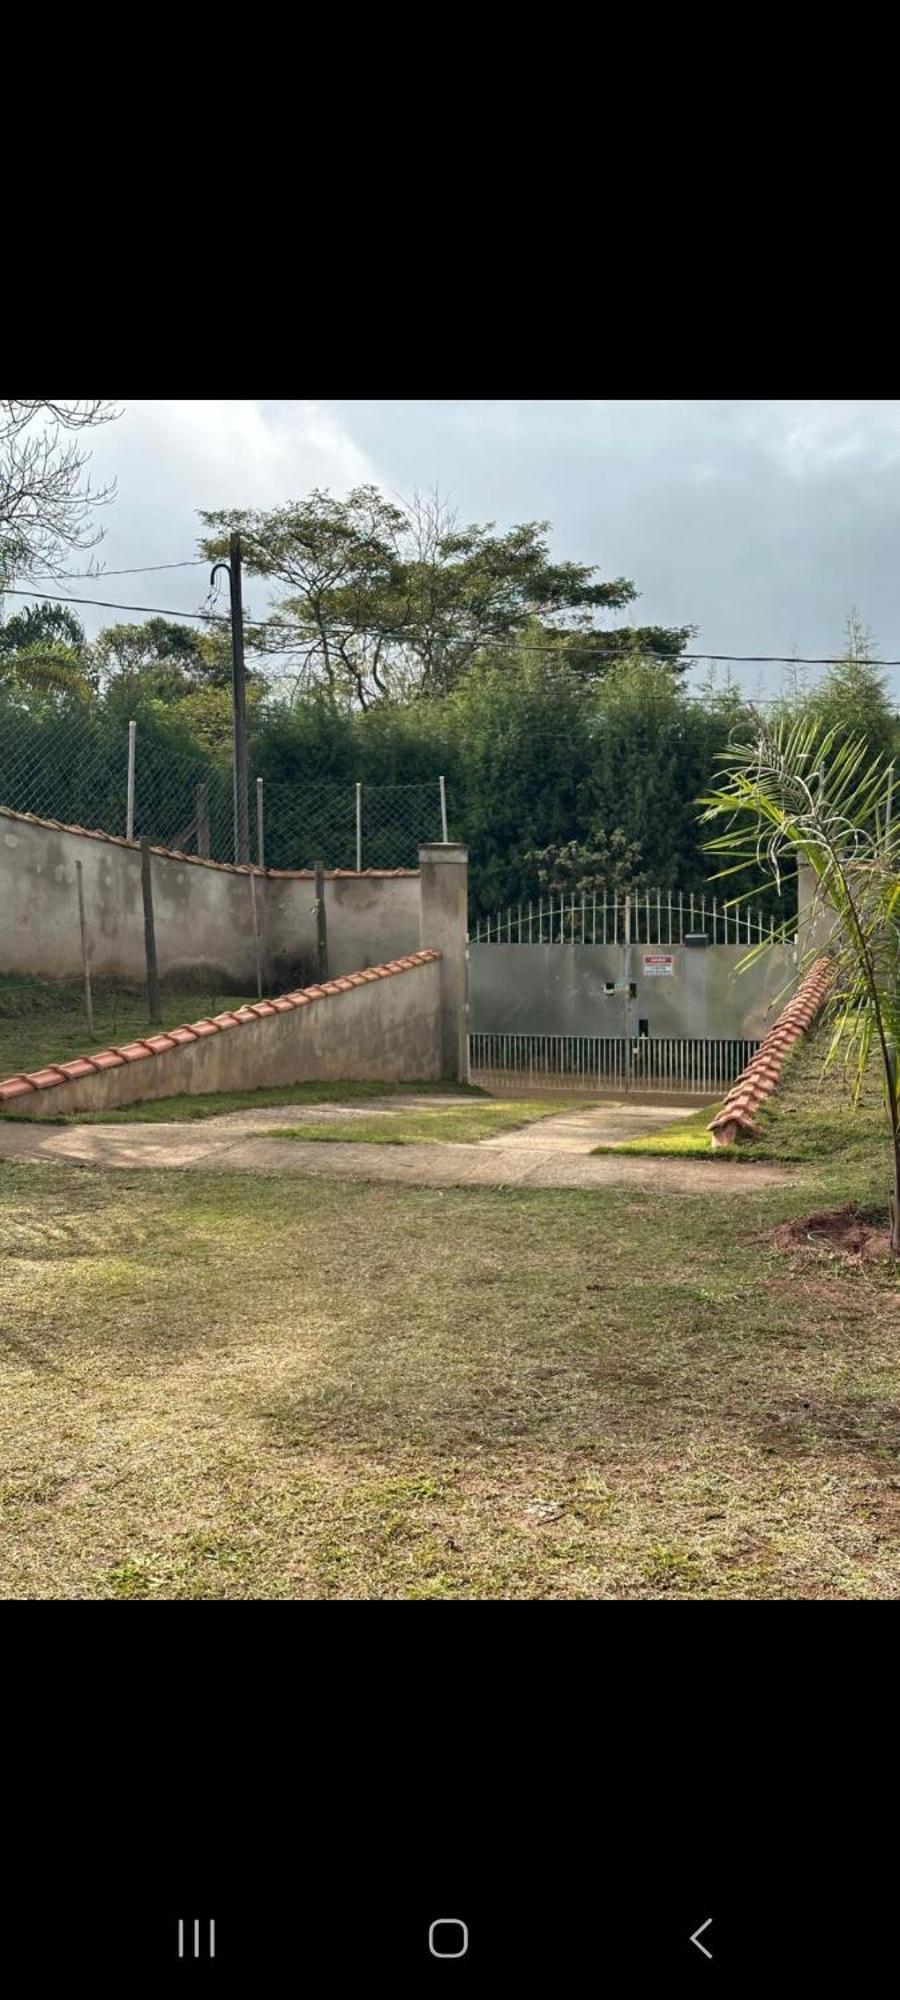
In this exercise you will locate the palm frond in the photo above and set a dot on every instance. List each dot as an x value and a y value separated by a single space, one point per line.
797 791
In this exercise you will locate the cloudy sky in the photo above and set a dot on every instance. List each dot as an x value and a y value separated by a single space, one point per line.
761 523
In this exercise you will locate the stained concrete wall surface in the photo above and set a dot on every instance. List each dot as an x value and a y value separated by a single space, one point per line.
203 914
369 919
388 1029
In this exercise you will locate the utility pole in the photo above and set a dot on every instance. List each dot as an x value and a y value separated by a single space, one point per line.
238 700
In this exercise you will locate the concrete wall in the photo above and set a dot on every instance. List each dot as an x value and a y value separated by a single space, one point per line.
369 919
381 1025
203 914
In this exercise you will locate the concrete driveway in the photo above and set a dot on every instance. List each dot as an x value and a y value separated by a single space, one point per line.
553 1152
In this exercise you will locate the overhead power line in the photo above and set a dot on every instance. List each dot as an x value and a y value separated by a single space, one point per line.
104 604
140 569
624 652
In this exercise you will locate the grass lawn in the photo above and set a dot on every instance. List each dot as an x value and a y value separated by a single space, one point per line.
445 1124
810 1117
685 1138
187 1110
231 1387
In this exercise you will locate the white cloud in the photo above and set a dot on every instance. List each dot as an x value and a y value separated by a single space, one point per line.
172 458
225 454
239 453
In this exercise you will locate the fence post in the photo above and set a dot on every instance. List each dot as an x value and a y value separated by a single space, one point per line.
203 821
443 810
321 926
239 703
129 809
359 829
85 955
153 1007
260 834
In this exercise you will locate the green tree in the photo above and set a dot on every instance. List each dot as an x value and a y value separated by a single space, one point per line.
44 660
384 600
520 754
779 805
853 698
590 653
606 865
41 624
161 660
600 864
652 746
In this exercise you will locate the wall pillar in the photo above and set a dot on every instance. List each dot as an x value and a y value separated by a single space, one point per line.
443 927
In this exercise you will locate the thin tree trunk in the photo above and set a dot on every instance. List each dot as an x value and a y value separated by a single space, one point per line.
895 1199
891 1066
888 1051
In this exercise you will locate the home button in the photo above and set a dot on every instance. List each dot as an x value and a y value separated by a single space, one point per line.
448 1937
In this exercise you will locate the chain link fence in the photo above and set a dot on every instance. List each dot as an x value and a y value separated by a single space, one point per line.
73 767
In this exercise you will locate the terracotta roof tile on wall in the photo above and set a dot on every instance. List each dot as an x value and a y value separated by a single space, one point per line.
757 1082
174 1038
199 860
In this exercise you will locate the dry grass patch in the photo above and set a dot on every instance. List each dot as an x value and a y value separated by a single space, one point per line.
229 1387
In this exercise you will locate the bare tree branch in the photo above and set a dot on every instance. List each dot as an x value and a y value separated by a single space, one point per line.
46 504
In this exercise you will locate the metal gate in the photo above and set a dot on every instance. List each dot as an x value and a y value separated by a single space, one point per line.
669 1065
643 994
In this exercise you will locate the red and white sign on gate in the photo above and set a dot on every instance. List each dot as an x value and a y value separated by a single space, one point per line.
659 964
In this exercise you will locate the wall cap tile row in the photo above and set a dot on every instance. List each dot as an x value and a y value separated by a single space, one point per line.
55 1074
735 1121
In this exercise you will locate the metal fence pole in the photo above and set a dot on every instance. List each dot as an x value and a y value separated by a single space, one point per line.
359 829
260 830
443 810
129 810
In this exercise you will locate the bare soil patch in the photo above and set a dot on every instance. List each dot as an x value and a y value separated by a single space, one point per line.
844 1230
